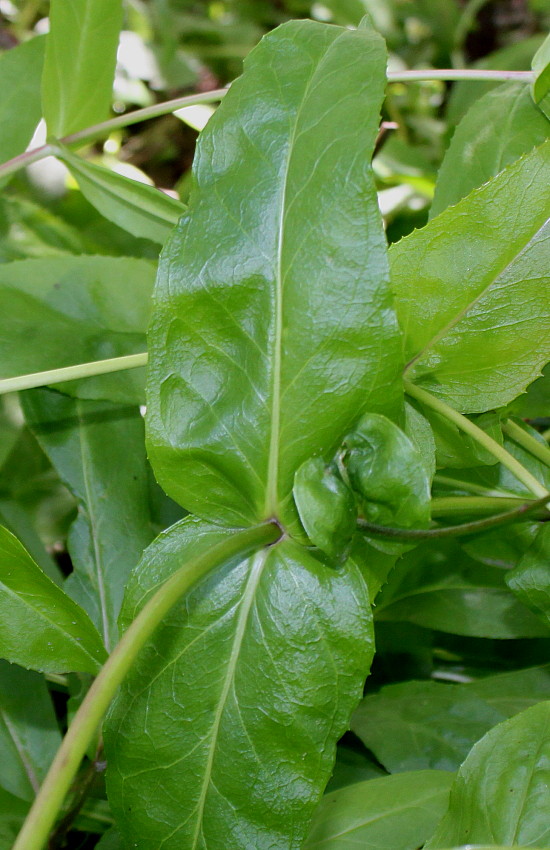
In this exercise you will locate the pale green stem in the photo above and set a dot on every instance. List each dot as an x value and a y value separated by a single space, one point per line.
50 798
451 505
24 159
72 373
466 425
468 486
527 441
447 74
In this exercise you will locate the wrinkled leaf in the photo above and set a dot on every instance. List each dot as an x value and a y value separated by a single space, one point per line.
99 452
40 626
80 62
483 143
271 334
541 69
472 290
394 811
20 72
530 580
326 507
388 473
29 735
502 791
142 210
66 310
223 736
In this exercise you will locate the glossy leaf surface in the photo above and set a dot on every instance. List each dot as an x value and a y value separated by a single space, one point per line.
142 210
20 72
482 270
502 791
541 85
59 311
40 626
224 734
98 450
82 46
273 334
388 473
530 580
326 507
483 144
394 811
29 735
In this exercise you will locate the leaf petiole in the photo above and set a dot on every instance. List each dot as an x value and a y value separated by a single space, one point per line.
72 373
469 427
50 798
526 441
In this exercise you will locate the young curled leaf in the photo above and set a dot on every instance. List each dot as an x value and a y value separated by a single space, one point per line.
326 506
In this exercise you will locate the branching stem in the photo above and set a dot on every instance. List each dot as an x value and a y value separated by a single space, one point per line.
50 798
469 427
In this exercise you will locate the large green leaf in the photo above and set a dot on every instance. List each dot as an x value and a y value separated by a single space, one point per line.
439 587
502 791
273 328
80 61
224 734
98 449
29 735
483 144
142 210
61 311
394 811
510 693
40 626
530 580
20 72
472 290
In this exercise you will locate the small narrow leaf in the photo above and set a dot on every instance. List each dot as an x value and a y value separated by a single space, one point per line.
273 328
472 290
530 580
29 735
40 626
20 72
224 734
502 791
388 473
142 210
60 311
326 507
98 449
400 812
80 63
541 85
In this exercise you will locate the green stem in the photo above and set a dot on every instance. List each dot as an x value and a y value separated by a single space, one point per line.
527 441
468 486
50 798
449 505
475 527
466 425
24 159
72 373
450 74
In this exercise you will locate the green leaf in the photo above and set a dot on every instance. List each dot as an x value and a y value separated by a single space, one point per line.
224 734
502 791
530 580
373 562
29 735
483 144
110 841
419 431
510 693
98 449
352 766
388 473
20 72
273 328
326 507
541 85
61 311
40 626
12 814
421 725
470 290
80 61
439 587
394 811
142 210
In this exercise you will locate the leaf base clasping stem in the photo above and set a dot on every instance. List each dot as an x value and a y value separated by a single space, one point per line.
50 798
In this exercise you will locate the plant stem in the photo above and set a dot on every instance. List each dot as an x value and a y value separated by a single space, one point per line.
468 486
450 74
474 527
50 798
449 505
466 425
24 159
72 373
527 441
